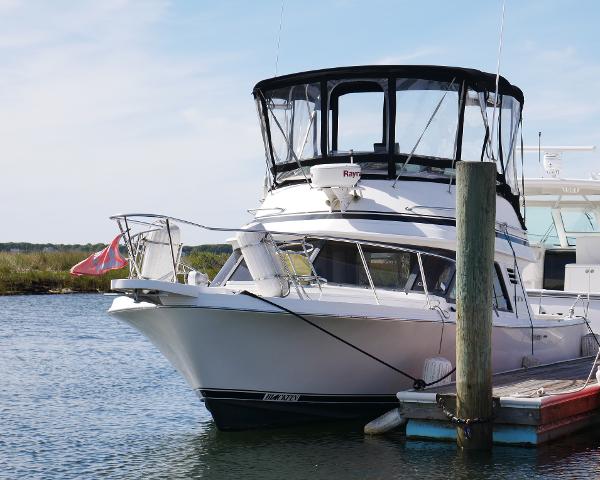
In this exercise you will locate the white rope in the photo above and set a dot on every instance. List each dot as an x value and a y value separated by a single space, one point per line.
279 37
542 392
498 72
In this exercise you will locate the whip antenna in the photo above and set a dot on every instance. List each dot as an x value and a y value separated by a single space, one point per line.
498 72
279 37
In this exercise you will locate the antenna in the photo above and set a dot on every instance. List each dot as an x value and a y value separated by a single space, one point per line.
498 73
552 155
279 37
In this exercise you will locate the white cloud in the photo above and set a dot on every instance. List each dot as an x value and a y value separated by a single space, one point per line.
558 86
93 121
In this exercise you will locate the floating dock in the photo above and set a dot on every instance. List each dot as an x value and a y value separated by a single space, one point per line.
531 406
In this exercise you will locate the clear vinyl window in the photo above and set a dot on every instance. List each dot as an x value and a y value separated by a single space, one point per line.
340 263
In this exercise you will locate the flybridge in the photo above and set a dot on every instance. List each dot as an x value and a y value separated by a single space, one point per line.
395 121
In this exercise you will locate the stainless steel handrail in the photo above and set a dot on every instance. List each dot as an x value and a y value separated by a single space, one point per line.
279 245
279 233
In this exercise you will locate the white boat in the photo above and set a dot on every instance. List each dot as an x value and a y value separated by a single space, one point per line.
563 228
349 259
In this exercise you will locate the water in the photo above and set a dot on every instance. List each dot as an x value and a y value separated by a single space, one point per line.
84 396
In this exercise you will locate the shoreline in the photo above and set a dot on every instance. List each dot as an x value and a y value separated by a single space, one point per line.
65 291
47 273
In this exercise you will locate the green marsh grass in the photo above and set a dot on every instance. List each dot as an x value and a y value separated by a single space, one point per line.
48 272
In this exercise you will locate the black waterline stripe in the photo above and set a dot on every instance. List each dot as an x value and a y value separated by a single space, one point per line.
254 395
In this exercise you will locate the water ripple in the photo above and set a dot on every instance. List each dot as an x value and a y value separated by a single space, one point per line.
84 396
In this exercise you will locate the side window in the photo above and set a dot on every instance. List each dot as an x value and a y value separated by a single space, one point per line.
360 126
341 263
554 268
226 269
438 273
389 269
499 294
241 273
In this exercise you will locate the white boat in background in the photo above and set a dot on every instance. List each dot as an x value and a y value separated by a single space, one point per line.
349 259
564 231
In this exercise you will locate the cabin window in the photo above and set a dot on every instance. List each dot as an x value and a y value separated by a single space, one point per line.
499 293
482 109
358 117
294 122
225 271
554 268
508 128
416 103
540 226
579 221
360 126
340 263
474 128
241 273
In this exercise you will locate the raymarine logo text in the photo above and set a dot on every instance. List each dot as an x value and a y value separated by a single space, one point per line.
351 174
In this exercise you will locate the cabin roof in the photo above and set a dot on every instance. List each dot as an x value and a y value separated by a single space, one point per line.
476 79
560 187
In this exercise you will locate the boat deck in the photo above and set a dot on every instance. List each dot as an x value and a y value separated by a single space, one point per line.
531 406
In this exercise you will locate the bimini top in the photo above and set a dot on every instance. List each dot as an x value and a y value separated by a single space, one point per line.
412 121
476 79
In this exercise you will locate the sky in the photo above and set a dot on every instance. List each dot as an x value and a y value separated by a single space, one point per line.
120 106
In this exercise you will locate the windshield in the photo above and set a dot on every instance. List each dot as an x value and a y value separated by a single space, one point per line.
542 223
580 221
540 226
398 125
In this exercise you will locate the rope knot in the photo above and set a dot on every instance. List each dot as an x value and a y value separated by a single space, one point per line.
419 384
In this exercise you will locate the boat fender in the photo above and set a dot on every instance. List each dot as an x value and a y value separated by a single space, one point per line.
529 361
436 368
263 263
197 278
161 245
386 422
589 344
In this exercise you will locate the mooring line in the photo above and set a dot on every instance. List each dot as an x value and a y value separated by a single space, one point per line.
418 383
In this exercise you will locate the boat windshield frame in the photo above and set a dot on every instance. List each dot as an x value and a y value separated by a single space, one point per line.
325 87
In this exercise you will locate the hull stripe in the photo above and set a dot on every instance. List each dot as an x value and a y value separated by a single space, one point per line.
224 394
391 217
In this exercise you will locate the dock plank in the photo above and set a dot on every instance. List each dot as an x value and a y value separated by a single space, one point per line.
522 414
554 378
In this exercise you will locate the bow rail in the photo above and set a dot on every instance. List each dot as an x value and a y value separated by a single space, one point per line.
143 232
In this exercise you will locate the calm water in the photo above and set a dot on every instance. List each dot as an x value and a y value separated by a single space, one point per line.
83 396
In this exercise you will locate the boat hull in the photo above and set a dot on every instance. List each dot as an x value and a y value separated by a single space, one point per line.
256 368
558 302
233 410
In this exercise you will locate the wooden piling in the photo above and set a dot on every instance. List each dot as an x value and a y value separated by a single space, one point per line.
475 237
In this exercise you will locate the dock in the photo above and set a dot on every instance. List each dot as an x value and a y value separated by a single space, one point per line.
530 406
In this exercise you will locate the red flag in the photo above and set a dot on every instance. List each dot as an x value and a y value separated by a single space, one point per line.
102 261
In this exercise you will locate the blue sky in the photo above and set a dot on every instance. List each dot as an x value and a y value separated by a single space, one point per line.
125 105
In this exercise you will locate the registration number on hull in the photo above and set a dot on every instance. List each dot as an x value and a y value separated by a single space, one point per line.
282 397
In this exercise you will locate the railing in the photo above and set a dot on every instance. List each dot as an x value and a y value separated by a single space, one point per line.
284 243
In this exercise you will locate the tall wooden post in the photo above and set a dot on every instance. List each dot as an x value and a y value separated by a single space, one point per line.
475 236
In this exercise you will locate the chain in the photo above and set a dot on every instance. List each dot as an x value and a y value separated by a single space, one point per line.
460 421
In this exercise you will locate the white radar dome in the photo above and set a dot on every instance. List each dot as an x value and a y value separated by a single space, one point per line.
335 175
